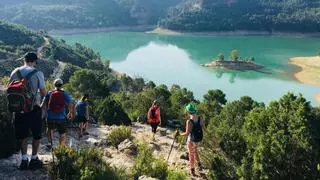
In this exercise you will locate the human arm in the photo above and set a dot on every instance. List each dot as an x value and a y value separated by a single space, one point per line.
70 104
87 112
71 111
44 103
188 129
42 84
148 114
160 121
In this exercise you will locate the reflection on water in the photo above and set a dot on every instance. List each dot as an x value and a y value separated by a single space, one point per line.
176 59
169 64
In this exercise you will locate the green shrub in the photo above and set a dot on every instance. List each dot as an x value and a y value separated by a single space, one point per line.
119 134
83 164
147 164
159 168
143 162
4 80
7 136
177 175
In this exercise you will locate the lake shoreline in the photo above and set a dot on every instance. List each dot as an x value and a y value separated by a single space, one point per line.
72 31
153 29
308 69
162 31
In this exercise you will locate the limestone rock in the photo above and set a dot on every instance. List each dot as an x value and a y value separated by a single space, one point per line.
185 156
107 154
163 131
128 146
146 178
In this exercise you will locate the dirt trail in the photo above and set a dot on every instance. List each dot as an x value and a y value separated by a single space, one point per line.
40 49
57 72
97 139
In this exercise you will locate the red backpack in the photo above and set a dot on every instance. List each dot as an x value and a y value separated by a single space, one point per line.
19 97
57 101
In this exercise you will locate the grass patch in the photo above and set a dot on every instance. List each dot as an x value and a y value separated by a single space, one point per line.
119 134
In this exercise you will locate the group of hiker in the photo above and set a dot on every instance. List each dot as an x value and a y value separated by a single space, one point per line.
31 103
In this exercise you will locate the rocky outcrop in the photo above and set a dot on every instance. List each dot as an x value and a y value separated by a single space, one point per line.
234 65
128 147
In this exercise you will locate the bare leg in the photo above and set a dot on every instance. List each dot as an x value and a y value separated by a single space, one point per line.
49 134
24 146
197 153
62 139
81 129
35 147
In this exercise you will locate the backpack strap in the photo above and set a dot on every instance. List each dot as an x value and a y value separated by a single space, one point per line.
199 119
31 74
19 75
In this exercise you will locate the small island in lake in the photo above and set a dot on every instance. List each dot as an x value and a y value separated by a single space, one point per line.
236 62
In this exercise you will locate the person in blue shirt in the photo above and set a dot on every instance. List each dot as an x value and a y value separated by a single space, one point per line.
56 102
82 109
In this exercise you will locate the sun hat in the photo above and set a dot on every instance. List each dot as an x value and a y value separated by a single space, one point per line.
58 82
191 108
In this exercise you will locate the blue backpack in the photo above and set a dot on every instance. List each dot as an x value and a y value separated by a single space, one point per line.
196 131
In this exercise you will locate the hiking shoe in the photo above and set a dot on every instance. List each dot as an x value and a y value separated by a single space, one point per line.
193 172
200 167
48 146
35 164
24 165
85 133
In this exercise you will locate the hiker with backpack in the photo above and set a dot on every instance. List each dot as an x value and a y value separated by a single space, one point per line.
56 102
25 87
82 110
194 133
154 117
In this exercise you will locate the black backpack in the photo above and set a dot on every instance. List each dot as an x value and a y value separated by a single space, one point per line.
196 131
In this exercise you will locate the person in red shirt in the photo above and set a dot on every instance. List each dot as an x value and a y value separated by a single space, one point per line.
154 117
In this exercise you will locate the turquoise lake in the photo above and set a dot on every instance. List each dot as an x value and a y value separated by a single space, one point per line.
176 60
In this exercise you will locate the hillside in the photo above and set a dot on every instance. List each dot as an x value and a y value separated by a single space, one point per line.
85 14
16 40
251 15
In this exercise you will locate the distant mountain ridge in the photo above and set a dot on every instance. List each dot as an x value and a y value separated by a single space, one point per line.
181 15
254 15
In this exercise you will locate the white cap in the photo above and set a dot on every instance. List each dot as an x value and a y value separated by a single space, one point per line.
58 82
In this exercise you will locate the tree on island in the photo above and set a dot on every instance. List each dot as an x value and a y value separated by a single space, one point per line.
234 55
220 57
250 59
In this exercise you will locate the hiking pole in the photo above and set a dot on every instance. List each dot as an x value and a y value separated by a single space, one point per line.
175 136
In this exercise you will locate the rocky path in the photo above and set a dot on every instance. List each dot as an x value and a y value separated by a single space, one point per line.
57 72
40 49
97 139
